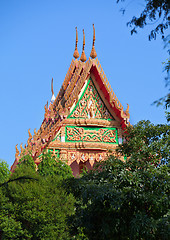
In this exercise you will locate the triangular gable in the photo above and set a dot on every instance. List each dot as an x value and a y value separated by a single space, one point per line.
69 96
90 105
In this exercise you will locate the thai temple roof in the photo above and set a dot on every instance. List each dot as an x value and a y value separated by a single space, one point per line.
56 114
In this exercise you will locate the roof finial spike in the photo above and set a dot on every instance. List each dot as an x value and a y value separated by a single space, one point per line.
76 53
53 97
93 53
83 56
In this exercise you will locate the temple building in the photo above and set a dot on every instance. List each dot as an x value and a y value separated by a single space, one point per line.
85 122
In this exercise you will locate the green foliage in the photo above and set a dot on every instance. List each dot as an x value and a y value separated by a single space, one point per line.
26 160
122 200
147 142
51 166
34 208
166 99
127 199
154 12
4 171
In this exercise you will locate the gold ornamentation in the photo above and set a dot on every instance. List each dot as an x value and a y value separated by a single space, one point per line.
22 149
46 110
91 105
84 157
127 111
83 56
93 53
90 156
86 135
52 90
17 151
30 135
76 53
52 114
35 133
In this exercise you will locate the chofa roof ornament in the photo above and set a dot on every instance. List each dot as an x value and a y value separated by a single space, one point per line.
83 56
93 53
53 97
76 53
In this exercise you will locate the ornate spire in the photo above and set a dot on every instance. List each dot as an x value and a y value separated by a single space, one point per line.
30 135
21 148
83 56
53 97
127 111
76 53
93 53
46 110
17 152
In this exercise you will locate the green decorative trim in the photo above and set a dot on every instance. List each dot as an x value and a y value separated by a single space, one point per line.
58 137
97 112
40 155
91 134
57 152
69 116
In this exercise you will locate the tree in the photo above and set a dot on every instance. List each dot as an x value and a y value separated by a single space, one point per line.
51 165
157 13
127 199
25 161
4 171
147 142
154 11
34 206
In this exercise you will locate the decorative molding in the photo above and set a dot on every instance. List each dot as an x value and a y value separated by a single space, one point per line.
90 105
82 156
93 134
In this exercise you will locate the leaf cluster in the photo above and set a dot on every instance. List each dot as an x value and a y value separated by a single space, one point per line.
4 171
147 142
122 200
34 205
127 199
153 11
52 166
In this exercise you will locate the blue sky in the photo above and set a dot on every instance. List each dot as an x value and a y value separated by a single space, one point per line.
37 40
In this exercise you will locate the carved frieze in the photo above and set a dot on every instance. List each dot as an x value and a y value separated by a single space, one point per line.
93 134
92 156
90 105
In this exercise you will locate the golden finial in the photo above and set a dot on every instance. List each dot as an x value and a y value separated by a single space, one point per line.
17 151
76 53
35 131
21 148
46 110
52 87
83 56
30 136
52 114
93 53
53 97
127 111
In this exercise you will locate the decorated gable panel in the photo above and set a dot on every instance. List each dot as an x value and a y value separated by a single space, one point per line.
93 134
90 105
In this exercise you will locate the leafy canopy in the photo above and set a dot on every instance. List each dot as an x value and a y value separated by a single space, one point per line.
4 171
50 165
127 199
154 12
35 205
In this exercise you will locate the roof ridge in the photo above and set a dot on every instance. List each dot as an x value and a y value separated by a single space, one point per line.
73 81
74 95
